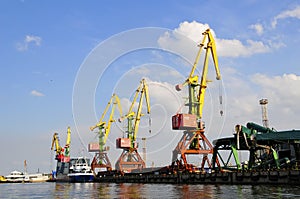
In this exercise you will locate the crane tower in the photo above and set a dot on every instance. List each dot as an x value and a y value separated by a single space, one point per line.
130 158
263 103
194 141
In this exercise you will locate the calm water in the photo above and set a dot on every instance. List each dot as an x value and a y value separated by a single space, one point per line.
111 190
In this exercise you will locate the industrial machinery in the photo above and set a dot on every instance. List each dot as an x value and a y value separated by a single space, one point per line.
266 148
101 159
62 154
193 141
130 158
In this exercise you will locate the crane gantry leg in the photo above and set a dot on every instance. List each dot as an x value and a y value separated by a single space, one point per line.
186 147
101 160
130 160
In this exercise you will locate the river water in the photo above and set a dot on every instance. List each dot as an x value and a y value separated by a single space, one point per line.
127 190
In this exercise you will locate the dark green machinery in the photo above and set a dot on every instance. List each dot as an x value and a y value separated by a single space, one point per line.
266 149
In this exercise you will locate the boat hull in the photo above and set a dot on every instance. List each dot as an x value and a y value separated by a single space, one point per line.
81 177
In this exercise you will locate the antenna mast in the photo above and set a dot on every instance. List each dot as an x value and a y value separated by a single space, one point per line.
263 103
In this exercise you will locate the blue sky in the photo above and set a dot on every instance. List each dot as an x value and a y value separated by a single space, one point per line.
44 44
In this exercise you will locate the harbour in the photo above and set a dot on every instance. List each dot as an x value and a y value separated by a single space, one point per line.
272 156
161 99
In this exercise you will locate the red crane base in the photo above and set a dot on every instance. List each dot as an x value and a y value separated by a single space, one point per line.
101 161
192 143
130 160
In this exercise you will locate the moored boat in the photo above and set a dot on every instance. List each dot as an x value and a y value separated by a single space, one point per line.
81 171
2 179
17 177
39 177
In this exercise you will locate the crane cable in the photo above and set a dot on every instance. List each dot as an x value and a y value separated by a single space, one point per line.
221 98
150 122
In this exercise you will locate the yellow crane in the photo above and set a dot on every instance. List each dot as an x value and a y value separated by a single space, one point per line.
101 159
62 154
130 158
192 123
55 141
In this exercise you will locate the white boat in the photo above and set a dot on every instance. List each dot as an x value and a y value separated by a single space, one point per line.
39 177
17 176
2 179
80 171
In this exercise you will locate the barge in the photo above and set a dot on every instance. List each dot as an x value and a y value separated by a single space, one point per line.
291 177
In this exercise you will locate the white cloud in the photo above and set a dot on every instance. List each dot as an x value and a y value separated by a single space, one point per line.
283 93
192 30
244 92
35 40
241 102
293 13
225 47
284 89
258 28
36 93
235 48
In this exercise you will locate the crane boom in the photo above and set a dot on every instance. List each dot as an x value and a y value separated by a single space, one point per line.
144 93
111 120
68 136
104 127
191 76
55 141
68 142
197 102
211 48
133 128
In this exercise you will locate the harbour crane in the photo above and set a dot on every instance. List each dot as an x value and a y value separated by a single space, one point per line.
193 141
101 159
130 158
62 154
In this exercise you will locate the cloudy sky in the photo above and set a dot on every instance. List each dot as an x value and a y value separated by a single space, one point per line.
61 61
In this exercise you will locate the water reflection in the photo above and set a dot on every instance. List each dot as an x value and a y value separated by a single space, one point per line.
277 191
129 190
61 190
103 190
196 191
135 190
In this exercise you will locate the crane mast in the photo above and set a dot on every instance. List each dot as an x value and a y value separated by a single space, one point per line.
101 159
193 141
130 158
